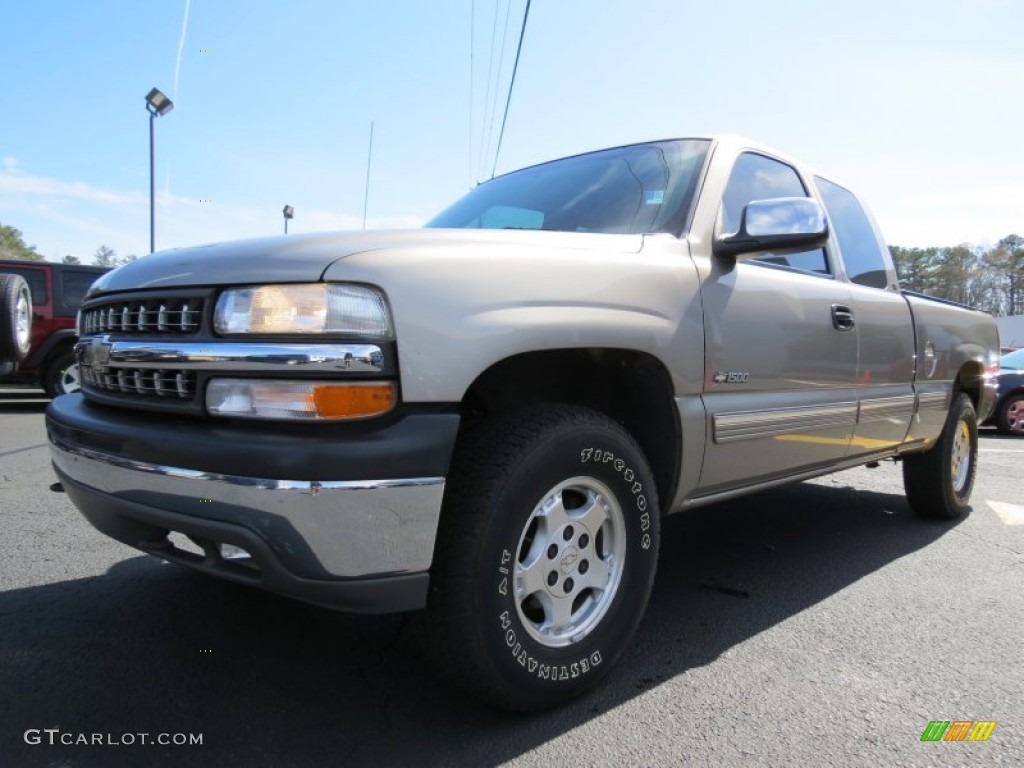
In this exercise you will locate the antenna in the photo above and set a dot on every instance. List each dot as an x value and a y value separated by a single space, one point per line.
369 157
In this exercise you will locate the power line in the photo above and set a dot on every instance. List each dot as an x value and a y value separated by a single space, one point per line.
472 35
497 78
512 82
487 94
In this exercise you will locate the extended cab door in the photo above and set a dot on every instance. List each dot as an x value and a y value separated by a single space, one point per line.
885 329
781 353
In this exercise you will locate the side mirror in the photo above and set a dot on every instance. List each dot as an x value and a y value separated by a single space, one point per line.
782 223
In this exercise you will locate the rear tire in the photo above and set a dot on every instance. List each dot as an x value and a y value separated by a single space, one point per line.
939 481
545 558
15 318
1010 420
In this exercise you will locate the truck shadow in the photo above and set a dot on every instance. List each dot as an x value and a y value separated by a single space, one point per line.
151 648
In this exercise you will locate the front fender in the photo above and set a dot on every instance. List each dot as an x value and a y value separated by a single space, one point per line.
459 311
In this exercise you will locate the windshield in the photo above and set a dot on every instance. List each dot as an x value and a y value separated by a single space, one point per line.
639 189
1013 360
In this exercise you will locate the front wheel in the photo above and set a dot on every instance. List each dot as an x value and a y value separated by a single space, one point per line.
938 482
546 555
62 377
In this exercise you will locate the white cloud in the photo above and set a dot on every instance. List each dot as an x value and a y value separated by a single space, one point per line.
16 181
65 216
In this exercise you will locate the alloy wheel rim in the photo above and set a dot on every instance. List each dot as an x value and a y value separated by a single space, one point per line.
569 561
70 381
961 457
1015 416
22 321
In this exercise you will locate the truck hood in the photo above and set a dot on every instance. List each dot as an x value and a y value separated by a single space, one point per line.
305 258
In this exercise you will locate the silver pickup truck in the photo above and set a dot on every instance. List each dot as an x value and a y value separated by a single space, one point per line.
490 416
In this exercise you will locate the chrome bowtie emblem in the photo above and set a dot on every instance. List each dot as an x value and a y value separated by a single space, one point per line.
97 352
569 559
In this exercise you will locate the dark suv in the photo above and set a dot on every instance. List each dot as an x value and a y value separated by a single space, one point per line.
56 291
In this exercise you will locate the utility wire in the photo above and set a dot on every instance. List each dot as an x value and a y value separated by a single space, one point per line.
472 35
487 95
512 82
497 79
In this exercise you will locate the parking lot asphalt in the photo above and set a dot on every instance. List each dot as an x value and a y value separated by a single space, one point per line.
818 624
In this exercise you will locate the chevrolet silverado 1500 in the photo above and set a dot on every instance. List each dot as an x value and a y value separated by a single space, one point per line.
490 416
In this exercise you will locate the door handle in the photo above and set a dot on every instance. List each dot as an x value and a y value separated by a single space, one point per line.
842 318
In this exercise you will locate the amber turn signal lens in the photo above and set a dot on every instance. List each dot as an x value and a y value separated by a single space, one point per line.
352 401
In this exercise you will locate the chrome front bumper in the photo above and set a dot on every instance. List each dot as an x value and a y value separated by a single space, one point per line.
362 545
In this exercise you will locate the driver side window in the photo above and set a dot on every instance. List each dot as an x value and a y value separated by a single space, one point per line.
756 177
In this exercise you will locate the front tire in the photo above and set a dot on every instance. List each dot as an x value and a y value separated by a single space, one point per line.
939 481
62 377
546 555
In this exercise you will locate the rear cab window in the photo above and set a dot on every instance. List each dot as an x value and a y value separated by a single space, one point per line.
862 251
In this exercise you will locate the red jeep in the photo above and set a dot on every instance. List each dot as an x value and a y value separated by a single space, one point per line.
37 326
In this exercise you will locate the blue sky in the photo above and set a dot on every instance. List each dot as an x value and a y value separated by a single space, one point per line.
918 105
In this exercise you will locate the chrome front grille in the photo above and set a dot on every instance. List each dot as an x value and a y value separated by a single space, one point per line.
145 316
142 381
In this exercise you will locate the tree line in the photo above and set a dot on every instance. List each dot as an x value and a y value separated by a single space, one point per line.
12 246
990 278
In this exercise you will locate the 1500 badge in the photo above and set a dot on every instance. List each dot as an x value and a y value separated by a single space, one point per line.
731 377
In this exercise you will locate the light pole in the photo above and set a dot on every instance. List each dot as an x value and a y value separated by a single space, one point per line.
289 213
157 104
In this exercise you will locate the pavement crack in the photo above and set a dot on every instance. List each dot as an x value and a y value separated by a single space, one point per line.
712 585
22 450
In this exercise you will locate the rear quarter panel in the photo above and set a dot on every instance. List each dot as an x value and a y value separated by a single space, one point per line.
964 343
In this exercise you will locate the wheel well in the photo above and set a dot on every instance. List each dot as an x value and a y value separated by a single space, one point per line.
970 379
633 388
63 347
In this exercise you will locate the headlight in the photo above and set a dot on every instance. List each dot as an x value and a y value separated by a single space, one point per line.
316 308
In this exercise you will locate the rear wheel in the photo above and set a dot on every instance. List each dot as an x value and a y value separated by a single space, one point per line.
546 555
1011 415
61 376
938 482
15 318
